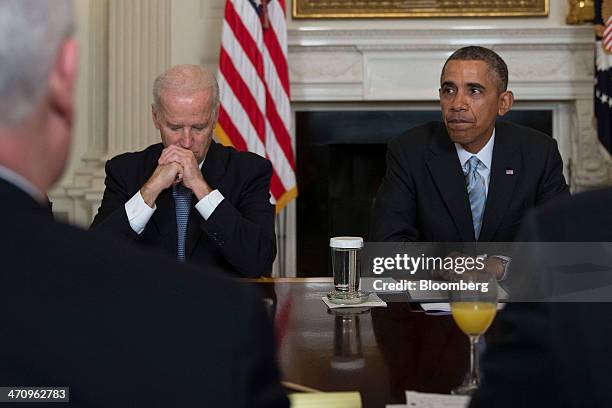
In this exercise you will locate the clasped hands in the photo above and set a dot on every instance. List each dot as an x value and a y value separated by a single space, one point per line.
175 165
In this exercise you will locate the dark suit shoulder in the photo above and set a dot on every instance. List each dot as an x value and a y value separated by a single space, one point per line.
245 157
419 134
113 297
248 161
141 270
583 217
524 135
88 259
415 140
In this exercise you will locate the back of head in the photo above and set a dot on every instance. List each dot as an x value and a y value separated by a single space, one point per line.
495 63
31 33
38 68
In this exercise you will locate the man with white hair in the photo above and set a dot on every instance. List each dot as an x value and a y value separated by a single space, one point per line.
86 313
188 196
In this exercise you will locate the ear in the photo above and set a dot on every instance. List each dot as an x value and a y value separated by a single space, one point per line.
62 81
505 102
155 117
215 117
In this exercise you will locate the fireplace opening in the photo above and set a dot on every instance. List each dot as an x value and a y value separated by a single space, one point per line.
340 164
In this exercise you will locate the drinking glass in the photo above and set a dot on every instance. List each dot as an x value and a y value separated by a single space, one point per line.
473 309
346 267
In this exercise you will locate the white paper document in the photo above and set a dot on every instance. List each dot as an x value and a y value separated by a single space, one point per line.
437 307
423 400
326 399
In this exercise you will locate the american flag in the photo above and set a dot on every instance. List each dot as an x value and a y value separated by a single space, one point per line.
255 114
607 35
603 71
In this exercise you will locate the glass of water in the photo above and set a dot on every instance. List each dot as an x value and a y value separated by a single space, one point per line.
346 267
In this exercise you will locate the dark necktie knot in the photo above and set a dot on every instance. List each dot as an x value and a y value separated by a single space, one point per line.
181 191
471 165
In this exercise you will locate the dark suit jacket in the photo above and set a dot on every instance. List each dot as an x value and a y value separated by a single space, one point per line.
554 354
423 196
239 235
124 328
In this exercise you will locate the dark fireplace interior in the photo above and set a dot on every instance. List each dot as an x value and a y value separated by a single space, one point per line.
340 164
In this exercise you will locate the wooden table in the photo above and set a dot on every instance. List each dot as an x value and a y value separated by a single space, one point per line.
380 352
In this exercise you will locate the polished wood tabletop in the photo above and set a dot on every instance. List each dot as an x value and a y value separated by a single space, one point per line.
380 352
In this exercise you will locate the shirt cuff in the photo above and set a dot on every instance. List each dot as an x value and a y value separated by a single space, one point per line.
506 261
209 203
138 212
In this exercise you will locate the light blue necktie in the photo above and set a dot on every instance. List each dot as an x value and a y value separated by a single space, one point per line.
182 200
476 192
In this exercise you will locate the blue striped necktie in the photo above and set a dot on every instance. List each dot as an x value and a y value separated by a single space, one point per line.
476 192
182 200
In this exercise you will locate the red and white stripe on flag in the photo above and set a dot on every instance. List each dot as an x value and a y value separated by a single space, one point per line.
607 36
255 114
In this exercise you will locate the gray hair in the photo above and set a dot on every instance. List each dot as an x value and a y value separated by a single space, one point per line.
186 78
496 64
31 34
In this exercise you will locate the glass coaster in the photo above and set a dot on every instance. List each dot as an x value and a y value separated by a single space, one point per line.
349 311
347 298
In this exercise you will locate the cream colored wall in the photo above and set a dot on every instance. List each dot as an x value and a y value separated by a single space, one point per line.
196 31
79 144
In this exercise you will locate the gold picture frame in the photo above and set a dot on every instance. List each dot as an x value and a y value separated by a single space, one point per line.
337 9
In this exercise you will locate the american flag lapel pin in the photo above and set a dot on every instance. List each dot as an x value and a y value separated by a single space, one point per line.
509 172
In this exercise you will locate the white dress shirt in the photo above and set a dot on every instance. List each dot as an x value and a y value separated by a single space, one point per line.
485 155
139 213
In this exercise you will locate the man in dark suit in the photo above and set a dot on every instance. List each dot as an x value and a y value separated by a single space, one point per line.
554 354
188 196
115 325
470 178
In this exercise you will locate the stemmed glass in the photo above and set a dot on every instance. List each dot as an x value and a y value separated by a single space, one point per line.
473 305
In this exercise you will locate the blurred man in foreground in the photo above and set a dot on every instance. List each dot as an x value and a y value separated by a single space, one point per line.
190 197
555 354
118 328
